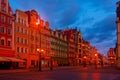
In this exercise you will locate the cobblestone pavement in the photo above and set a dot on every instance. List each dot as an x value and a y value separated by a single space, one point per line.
62 73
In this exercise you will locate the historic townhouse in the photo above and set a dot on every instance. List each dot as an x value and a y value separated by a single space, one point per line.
71 46
6 34
93 55
78 46
59 47
118 34
78 43
34 38
21 37
85 53
111 56
45 42
39 38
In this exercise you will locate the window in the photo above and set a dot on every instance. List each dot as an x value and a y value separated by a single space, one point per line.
21 50
25 50
22 40
32 62
3 18
18 29
22 21
25 41
22 30
18 49
3 8
2 30
18 20
9 43
9 21
9 31
18 39
2 42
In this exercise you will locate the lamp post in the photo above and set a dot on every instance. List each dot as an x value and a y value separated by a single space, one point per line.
51 61
84 61
51 64
96 60
39 58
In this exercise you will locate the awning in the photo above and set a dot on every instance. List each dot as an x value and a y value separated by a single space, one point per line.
3 59
15 59
10 59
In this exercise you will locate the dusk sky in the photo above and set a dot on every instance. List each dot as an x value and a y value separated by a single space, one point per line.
94 18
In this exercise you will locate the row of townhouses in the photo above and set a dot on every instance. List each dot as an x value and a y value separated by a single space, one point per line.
26 39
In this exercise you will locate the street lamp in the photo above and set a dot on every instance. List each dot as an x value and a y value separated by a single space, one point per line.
51 61
39 58
96 60
84 61
51 64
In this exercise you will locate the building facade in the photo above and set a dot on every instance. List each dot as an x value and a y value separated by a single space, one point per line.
21 37
118 34
78 42
93 55
59 47
39 37
71 46
111 56
6 33
6 29
85 52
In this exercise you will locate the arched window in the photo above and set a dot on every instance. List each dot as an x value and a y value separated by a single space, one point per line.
9 42
2 42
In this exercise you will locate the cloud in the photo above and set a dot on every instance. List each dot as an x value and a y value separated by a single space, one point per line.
69 16
103 33
95 19
102 28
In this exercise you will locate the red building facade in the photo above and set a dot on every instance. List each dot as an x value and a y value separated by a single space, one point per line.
71 46
111 56
6 30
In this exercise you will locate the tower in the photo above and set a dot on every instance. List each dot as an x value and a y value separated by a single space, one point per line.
118 34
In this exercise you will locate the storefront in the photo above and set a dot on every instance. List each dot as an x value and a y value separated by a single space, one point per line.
9 62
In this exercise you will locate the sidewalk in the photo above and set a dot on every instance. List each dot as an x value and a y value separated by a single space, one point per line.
13 71
43 69
81 68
